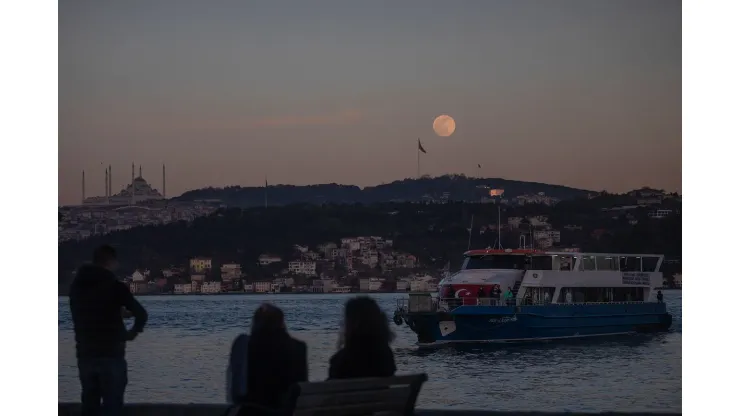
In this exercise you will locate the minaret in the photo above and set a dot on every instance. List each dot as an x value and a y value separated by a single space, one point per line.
132 173
106 182
110 180
140 172
83 186
164 183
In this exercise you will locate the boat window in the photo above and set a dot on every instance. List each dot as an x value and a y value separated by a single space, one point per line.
565 263
649 263
588 263
494 262
601 294
630 264
606 263
567 295
540 263
595 294
629 294
538 295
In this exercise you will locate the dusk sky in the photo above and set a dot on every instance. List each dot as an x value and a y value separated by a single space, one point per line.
584 93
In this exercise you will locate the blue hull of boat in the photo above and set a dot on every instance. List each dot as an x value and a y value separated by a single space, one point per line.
533 323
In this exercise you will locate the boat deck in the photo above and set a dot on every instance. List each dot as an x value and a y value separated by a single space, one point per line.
421 304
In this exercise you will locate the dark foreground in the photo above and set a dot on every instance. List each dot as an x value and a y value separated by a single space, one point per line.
182 357
141 409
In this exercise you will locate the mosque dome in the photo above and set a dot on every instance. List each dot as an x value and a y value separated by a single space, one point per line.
139 190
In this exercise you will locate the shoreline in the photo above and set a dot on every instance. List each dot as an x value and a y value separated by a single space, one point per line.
294 293
289 293
258 293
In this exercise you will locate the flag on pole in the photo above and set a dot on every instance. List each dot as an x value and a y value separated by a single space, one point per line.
421 148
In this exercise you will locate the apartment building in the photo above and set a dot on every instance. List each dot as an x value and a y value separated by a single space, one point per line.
200 264
307 268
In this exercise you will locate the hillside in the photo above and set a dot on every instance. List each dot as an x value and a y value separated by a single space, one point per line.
458 187
435 233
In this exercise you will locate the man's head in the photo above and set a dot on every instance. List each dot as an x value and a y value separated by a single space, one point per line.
105 256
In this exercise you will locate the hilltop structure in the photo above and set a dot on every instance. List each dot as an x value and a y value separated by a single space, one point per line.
139 190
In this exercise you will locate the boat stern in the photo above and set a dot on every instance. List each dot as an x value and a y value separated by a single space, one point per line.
437 322
417 311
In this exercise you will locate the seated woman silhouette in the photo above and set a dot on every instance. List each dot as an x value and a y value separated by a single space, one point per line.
364 346
274 361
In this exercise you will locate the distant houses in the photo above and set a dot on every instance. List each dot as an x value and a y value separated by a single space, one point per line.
329 267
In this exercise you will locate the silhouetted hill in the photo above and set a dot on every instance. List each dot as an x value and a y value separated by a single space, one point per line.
458 187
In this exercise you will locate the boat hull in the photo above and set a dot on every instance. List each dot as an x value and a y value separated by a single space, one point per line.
535 323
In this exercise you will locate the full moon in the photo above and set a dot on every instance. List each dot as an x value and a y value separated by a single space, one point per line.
444 125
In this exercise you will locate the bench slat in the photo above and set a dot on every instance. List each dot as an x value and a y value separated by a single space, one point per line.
389 395
330 386
395 397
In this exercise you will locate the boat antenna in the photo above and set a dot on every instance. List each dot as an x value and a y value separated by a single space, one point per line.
531 236
499 224
470 230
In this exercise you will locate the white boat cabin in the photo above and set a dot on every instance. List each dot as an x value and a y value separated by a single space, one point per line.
540 277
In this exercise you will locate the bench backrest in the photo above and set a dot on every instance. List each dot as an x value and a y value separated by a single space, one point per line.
364 396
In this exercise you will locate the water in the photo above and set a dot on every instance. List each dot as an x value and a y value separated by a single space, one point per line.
182 356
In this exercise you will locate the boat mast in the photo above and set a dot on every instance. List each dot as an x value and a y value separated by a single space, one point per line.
499 225
470 230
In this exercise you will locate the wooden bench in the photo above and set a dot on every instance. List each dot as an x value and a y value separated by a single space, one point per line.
364 396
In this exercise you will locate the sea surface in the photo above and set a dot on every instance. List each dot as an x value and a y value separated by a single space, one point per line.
182 357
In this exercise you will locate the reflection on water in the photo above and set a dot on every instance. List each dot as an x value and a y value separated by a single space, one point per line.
182 357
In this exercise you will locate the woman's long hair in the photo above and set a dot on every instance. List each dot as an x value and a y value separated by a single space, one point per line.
268 325
269 364
267 319
364 324
268 328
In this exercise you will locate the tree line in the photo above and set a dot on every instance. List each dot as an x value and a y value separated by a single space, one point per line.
456 187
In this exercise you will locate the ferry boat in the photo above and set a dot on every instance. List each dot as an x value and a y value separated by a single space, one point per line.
544 295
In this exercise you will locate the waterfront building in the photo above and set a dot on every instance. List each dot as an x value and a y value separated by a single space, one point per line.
262 286
210 287
183 288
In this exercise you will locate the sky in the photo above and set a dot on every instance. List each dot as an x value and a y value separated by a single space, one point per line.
584 93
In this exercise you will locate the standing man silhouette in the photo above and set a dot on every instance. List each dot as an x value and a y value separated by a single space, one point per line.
96 300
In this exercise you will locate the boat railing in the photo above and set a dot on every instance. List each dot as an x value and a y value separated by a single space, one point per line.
435 304
418 304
